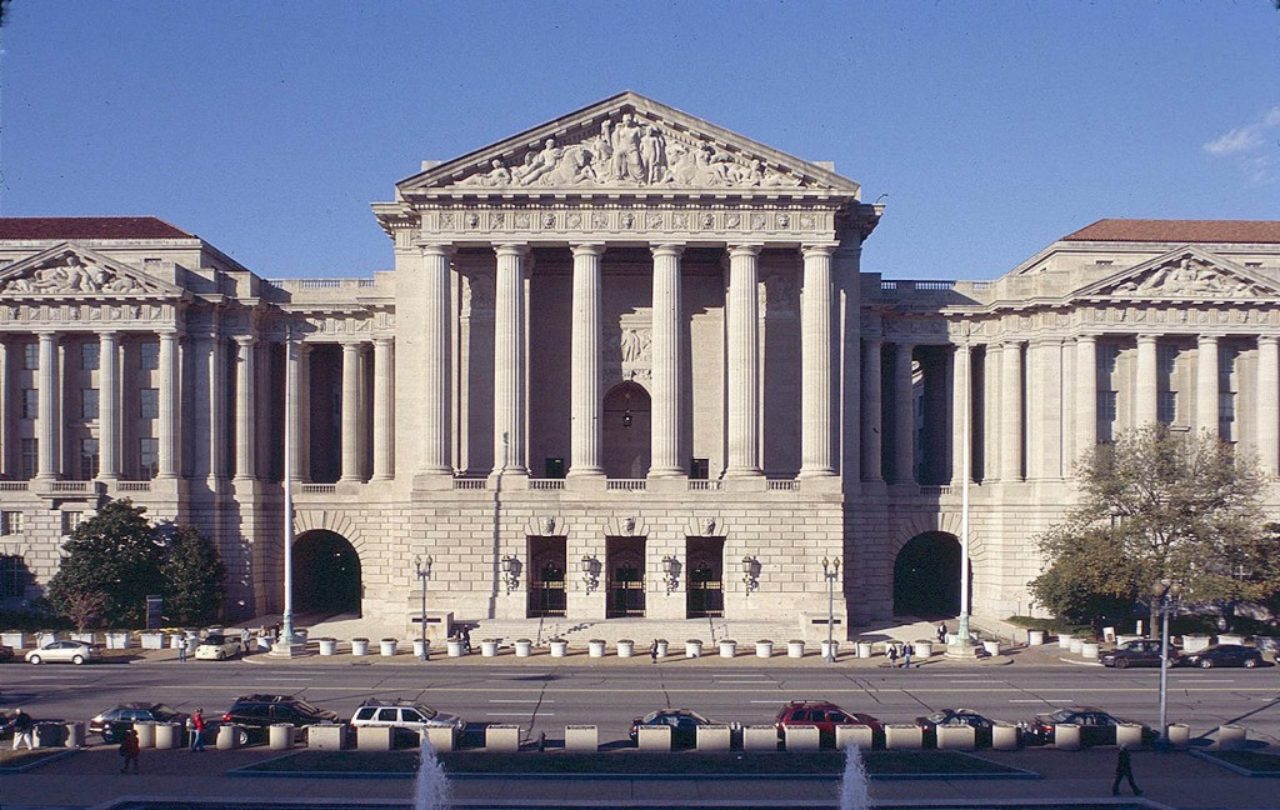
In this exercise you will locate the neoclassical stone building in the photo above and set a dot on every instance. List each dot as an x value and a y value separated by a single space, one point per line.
626 364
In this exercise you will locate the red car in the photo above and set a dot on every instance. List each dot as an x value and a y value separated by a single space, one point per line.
826 716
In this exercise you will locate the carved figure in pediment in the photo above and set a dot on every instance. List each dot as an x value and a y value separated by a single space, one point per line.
498 175
653 154
635 345
628 161
543 163
71 276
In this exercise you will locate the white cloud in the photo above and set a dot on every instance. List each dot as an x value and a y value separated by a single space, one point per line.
1249 145
1241 139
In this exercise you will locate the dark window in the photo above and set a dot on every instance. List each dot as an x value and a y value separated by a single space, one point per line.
30 457
149 403
554 468
699 469
149 355
88 459
88 403
30 403
31 356
89 356
13 577
148 457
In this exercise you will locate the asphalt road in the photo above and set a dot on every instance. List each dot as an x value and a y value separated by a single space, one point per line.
545 699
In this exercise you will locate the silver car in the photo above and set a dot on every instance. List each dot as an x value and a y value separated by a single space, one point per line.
415 717
67 652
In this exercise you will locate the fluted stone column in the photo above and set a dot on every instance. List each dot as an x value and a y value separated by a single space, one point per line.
7 433
211 399
961 390
1147 393
815 352
1268 426
1086 403
436 370
904 416
586 405
509 362
167 408
1011 412
47 408
872 410
666 351
1207 384
383 418
246 396
351 412
744 362
298 356
108 406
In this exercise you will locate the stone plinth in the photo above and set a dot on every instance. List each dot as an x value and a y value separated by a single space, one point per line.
441 740
1066 737
581 739
801 738
759 738
654 738
327 737
903 736
714 738
956 738
855 734
502 739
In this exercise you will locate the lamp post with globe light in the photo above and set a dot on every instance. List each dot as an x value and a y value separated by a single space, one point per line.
1166 593
422 570
831 570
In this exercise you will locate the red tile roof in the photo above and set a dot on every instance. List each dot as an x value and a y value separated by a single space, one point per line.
89 228
1178 230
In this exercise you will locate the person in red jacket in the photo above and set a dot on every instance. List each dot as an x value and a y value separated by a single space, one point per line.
129 749
197 730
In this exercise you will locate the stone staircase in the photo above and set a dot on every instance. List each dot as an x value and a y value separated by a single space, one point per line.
641 631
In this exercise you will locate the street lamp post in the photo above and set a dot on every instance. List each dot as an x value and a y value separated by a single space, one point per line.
1167 593
422 569
831 570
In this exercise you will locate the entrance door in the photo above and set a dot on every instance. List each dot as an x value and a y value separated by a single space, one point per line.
926 577
547 562
625 571
705 556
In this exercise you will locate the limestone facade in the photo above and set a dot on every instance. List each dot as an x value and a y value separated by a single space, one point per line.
626 363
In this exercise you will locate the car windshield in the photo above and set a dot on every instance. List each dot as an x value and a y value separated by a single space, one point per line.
215 640
304 706
938 717
427 711
1062 716
162 711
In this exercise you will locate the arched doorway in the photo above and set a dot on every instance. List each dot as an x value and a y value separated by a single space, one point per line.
326 574
926 577
626 431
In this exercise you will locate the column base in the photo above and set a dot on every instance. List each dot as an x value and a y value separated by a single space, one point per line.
516 477
816 472
586 482
433 480
963 649
285 649
743 472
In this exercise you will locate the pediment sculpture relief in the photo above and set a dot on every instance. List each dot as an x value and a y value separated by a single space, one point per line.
629 150
1188 276
69 274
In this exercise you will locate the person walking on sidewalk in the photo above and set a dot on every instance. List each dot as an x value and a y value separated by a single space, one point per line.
129 749
653 652
893 656
182 649
197 730
907 652
1124 770
23 729
942 632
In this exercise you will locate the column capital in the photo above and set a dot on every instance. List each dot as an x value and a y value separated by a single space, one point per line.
245 340
1147 337
1268 340
442 249
384 340
1087 338
108 334
46 334
587 248
818 249
1205 340
873 340
751 249
352 346
519 249
673 249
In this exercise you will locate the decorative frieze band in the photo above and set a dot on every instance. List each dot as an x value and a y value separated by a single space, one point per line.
638 222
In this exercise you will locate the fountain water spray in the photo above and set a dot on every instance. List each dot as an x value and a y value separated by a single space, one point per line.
431 788
853 786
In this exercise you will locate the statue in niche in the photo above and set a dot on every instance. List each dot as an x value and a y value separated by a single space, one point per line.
446 219
599 220
634 345
628 220
548 220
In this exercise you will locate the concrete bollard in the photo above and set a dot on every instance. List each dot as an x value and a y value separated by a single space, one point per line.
359 646
328 646
626 648
1066 736
829 649
581 739
866 649
146 734
524 648
924 649
795 649
280 736
714 738
956 738
1129 735
1179 735
454 648
1035 638
728 648
596 648
228 737
327 737
502 739
373 738
1231 737
852 734
1064 641
1004 737
441 740
764 649
489 648
802 738
168 736
654 739
903 737
559 649
1089 650
692 648
1075 646
759 738
75 735
387 647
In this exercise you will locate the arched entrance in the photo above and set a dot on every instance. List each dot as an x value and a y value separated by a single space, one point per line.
326 574
926 577
626 431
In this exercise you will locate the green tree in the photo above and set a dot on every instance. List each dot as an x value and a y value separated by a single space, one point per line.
195 578
1159 504
116 555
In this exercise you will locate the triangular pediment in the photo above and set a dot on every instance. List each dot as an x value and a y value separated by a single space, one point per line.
1186 273
67 270
630 144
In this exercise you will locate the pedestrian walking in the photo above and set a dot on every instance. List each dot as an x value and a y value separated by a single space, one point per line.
907 652
653 652
197 730
942 632
129 749
182 649
244 640
893 656
1124 770
466 639
23 730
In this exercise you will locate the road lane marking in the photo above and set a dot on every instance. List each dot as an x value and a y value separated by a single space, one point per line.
1042 700
272 680
518 714
519 700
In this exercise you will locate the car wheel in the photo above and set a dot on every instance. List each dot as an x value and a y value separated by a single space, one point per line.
1206 663
108 736
242 738
35 659
1250 663
1122 663
77 660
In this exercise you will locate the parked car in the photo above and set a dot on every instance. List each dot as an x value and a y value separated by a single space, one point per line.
411 718
1140 653
826 716
218 647
1224 655
73 652
112 723
254 713
6 652
1097 727
683 722
955 717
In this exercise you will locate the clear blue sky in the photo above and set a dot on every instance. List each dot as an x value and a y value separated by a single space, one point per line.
268 127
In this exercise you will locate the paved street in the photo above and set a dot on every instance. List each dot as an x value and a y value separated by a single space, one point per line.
542 695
